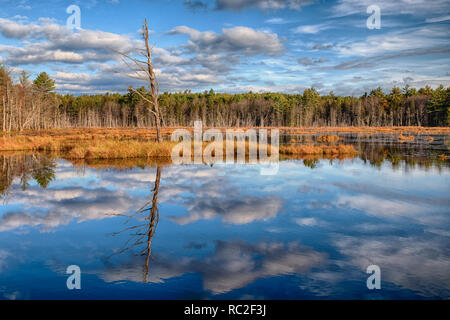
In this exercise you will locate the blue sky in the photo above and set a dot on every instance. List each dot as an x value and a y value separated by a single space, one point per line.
232 45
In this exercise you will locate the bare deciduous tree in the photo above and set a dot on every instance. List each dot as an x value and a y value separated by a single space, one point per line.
145 67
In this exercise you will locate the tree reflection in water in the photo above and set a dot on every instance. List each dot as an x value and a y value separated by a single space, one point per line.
26 167
144 232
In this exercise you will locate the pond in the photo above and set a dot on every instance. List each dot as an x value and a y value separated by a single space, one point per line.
141 230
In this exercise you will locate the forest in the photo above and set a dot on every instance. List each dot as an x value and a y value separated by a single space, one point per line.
34 104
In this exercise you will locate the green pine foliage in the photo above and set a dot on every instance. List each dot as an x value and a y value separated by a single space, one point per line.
36 105
43 83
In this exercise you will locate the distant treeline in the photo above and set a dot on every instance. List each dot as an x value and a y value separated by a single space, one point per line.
34 105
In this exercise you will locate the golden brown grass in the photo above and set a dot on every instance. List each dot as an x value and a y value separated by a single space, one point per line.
340 149
97 148
328 138
100 146
401 137
146 133
110 149
119 164
122 143
363 130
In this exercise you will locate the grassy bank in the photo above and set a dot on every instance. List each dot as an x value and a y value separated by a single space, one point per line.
92 148
127 144
148 133
319 150
117 149
366 130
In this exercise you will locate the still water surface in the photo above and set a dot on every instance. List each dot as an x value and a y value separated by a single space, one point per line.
227 232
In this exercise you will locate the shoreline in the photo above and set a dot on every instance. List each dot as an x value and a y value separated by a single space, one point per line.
124 143
151 132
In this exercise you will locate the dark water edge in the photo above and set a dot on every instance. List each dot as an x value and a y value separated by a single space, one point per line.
145 230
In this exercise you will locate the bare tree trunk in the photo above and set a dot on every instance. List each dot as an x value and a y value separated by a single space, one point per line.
147 68
4 114
154 218
154 87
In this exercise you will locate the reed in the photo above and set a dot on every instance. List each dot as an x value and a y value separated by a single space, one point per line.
113 149
133 143
310 149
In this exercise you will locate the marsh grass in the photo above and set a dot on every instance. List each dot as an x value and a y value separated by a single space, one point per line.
328 138
363 130
401 137
97 148
113 149
310 149
133 143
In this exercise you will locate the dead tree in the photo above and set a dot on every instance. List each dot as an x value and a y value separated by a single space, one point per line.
140 67
144 232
